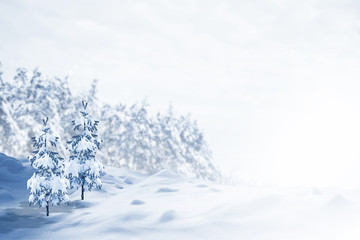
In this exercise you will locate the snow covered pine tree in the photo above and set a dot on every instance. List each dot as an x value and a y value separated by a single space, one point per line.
48 184
82 168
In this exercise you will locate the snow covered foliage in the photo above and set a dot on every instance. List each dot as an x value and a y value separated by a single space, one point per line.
135 137
8 126
136 143
48 184
24 101
82 168
149 144
181 146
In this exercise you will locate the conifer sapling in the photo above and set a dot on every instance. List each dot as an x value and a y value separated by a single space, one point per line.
48 184
82 168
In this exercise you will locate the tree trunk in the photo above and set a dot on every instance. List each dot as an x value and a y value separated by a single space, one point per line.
47 208
82 192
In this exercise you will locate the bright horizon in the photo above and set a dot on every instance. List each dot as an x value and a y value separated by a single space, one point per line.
273 84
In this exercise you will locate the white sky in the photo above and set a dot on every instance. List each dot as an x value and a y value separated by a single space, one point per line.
274 84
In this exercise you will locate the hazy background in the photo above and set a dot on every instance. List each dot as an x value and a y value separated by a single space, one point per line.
274 84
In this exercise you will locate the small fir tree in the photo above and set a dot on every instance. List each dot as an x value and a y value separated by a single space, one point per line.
82 168
48 184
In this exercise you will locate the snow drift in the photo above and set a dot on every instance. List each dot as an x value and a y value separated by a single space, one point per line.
167 206
13 176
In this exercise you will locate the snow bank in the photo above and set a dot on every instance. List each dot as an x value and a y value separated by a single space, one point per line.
13 176
10 169
169 206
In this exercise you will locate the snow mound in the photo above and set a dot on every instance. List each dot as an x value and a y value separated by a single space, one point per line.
165 173
168 216
13 176
137 202
167 190
338 201
316 191
166 206
10 168
5 196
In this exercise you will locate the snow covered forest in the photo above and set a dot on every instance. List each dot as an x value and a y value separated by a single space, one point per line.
132 136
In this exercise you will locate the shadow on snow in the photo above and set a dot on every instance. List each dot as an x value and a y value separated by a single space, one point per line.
26 216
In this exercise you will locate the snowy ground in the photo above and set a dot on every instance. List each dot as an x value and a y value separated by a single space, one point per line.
167 206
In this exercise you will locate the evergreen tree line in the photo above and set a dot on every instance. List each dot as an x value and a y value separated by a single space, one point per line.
133 137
